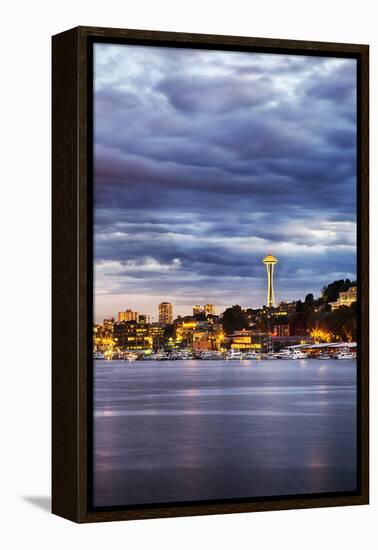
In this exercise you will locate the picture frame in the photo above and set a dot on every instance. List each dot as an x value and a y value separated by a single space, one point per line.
72 271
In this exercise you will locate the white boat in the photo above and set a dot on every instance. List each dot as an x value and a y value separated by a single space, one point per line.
251 355
345 355
185 356
324 357
161 356
291 354
234 354
131 356
270 357
211 355
98 355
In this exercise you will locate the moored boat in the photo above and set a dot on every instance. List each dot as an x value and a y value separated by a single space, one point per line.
251 355
289 353
324 356
234 355
345 355
131 356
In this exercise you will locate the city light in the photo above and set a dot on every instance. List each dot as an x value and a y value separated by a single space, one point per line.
262 330
320 335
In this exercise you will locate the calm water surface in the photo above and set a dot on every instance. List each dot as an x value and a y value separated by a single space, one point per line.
200 430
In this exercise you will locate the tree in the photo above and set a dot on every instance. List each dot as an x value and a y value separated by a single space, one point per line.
169 331
234 319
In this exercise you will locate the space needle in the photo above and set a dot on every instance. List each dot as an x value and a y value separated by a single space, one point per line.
270 261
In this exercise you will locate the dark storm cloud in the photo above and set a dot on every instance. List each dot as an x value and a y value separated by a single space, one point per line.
339 88
216 94
206 161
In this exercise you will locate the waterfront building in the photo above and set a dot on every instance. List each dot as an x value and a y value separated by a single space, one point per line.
208 337
103 336
249 340
346 298
165 313
130 335
128 315
270 261
104 329
184 329
157 335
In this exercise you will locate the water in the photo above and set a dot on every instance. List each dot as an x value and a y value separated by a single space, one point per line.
202 430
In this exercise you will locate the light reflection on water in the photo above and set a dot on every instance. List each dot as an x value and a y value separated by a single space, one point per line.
200 430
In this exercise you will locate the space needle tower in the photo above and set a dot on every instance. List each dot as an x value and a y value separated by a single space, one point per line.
270 261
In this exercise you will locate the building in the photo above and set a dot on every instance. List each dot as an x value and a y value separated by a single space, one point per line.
248 340
156 334
165 313
346 298
270 261
130 335
287 307
208 337
209 309
103 336
144 319
104 329
184 329
281 330
128 315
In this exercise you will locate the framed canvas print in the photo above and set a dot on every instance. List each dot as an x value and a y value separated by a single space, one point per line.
210 274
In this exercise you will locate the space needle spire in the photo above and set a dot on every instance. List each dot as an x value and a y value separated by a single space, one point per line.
270 261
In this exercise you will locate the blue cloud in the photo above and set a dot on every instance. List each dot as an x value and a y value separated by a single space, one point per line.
205 161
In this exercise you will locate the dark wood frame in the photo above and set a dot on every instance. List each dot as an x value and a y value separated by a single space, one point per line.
72 216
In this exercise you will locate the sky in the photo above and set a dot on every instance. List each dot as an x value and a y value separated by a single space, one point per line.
206 161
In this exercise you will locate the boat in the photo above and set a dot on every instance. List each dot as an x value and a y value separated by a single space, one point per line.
161 356
251 355
234 354
291 354
98 355
324 356
184 355
210 355
345 355
270 357
131 356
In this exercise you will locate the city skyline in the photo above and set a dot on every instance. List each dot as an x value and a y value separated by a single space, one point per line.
210 172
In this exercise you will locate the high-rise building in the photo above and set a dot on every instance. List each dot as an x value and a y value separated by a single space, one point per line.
128 315
270 261
197 310
165 313
209 309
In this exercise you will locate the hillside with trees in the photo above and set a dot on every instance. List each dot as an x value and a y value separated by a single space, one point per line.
313 316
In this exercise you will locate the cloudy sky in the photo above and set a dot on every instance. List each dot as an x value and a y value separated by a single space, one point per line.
205 161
